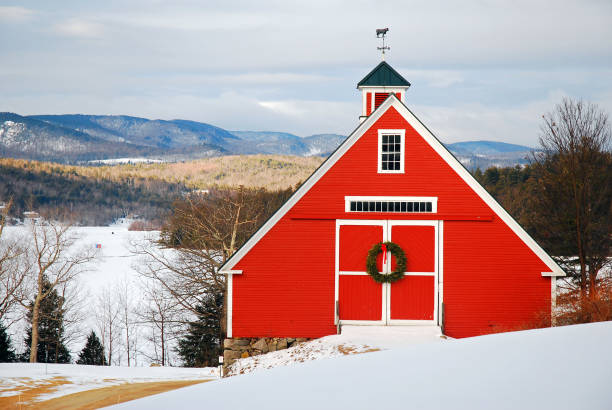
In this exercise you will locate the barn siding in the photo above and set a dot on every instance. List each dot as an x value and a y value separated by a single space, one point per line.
491 279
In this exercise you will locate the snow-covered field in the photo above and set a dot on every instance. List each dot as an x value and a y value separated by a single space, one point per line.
556 368
16 377
115 264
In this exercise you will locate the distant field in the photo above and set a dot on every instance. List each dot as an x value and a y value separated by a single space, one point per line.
269 171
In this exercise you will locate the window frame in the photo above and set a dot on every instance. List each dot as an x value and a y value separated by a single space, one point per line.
432 199
402 134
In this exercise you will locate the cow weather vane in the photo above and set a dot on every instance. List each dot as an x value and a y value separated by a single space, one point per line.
381 33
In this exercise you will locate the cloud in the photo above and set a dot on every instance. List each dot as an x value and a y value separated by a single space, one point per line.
15 14
79 28
518 124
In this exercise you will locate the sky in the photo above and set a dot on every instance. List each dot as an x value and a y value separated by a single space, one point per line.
479 69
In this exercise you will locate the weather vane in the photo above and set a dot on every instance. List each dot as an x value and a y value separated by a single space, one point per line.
380 33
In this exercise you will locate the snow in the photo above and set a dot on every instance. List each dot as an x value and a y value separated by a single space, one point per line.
556 368
113 264
17 376
352 340
115 161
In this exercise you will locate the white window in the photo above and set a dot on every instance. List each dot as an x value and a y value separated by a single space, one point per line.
391 151
395 204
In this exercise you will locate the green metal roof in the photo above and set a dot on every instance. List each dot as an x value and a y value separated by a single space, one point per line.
383 75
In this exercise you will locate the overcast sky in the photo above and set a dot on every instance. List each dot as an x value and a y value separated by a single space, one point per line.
479 69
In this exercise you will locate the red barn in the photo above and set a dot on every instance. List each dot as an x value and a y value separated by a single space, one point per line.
470 267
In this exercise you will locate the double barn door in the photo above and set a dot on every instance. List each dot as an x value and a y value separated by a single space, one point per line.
410 300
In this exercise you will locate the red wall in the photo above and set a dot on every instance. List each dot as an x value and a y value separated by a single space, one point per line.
491 279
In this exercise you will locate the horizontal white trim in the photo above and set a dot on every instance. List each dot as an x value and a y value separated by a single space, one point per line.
432 199
392 101
231 271
353 273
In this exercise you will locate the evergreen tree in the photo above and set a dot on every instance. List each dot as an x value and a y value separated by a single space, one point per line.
51 348
7 354
202 345
93 352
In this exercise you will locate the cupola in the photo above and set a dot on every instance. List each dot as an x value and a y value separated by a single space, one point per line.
378 84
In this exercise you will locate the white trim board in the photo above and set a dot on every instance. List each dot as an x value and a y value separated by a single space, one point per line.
392 101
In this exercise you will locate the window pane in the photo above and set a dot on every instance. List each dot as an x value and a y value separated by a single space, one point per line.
384 166
384 207
359 206
353 206
397 148
372 206
410 207
429 207
403 207
422 206
385 139
378 206
397 138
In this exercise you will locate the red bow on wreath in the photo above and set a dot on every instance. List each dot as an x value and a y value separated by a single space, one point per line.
384 254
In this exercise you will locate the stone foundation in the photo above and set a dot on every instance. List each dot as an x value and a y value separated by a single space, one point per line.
242 347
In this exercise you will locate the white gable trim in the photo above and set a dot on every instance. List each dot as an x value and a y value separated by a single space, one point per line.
420 128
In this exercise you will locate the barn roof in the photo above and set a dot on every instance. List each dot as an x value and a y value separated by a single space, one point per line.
383 75
445 154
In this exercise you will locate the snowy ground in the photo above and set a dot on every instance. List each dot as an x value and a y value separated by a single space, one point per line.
17 377
114 264
557 368
353 340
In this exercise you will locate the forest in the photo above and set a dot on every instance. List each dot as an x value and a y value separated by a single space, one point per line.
65 195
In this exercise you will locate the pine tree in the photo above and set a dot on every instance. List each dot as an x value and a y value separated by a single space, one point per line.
202 345
93 352
51 348
7 354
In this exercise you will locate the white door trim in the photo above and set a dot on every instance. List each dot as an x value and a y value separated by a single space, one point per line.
340 222
386 287
390 225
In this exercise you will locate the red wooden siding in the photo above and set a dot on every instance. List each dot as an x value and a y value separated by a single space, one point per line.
360 298
413 298
355 242
491 279
418 243
368 103
287 288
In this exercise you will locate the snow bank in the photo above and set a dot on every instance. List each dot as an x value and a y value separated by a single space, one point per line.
14 376
520 370
353 340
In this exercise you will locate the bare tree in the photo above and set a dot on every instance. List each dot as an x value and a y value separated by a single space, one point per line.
203 232
14 267
54 261
572 197
126 319
159 313
108 317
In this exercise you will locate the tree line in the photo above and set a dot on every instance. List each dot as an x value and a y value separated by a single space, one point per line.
83 200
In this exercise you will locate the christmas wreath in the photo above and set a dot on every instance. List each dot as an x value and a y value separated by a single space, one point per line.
400 259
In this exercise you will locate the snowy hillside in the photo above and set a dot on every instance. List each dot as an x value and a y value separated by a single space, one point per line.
556 368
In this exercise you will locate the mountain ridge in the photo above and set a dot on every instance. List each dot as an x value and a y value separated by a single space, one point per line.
79 138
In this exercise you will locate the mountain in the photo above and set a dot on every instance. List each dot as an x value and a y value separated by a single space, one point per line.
485 154
141 131
270 142
29 138
75 138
